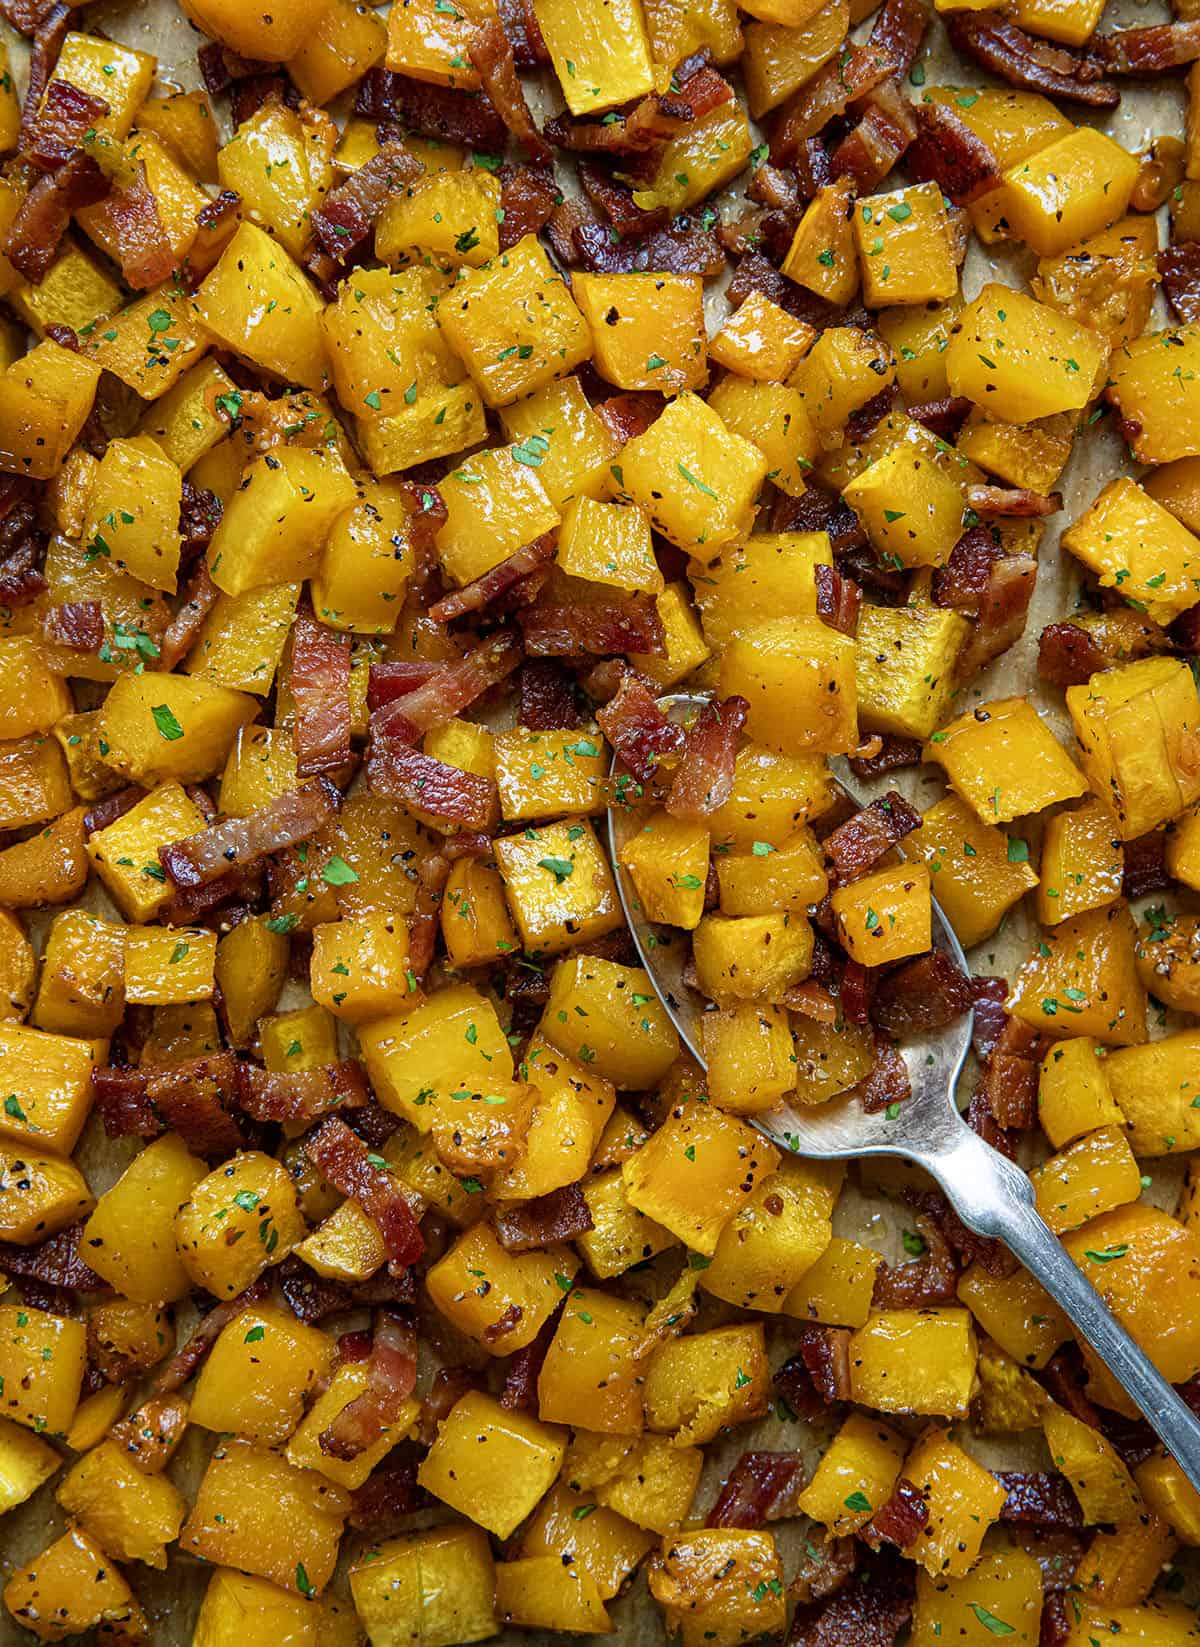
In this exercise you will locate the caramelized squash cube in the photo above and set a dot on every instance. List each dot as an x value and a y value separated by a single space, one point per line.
39 1195
914 1361
160 727
435 1587
73 1586
905 251
26 1463
273 530
770 575
1102 1483
1083 863
257 301
837 1289
45 398
495 505
647 329
559 425
904 666
1155 1089
620 1235
590 1377
250 1194
1137 727
855 1477
134 1516
1137 547
1074 1094
695 478
963 1500
259 1374
545 774
719 1587
1082 980
761 341
886 916
491 1464
911 509
1152 386
749 1056
1004 761
436 1045
42 1359
667 861
823 254
559 886
772 795
49 1081
1073 188
772 1241
697 1385
1019 360
752 957
1092 1175
607 1017
798 676
125 854
34 784
480 1287
129 1239
699 1169
778 60
977 872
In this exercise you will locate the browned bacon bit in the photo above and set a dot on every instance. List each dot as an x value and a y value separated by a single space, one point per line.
320 683
488 589
761 1487
1009 1081
52 25
1057 1551
1038 1498
825 1352
391 1375
508 1321
144 249
637 729
309 1296
794 1385
1022 60
898 30
467 844
528 197
615 200
395 678
982 1120
546 697
431 111
1146 865
221 67
882 137
1068 655
76 624
1001 615
823 1569
1150 50
856 989
870 1611
200 514
181 633
625 624
703 780
856 846
626 416
1015 501
524 1369
672 250
524 33
196 1098
901 1520
947 152
862 424
989 996
294 816
1179 267
928 1280
346 217
893 756
943 418
112 807
404 774
425 921
888 1082
42 217
343 1160
839 600
962 582
1056 1626
828 94
559 1216
383 1504
55 1262
922 995
25 15
65 116
302 1094
452 689
492 56
812 999
189 1358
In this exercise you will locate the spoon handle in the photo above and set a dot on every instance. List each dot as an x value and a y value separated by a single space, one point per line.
994 1197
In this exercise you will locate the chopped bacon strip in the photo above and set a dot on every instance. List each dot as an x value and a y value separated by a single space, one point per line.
54 1262
761 1487
1017 502
893 755
392 679
703 780
44 214
485 591
320 683
824 1568
888 1082
524 1368
200 514
989 996
51 25
827 95
528 198
492 57
391 1375
615 200
627 416
77 625
999 45
881 138
1150 50
861 425
420 781
1008 1084
901 1520
431 111
425 921
1038 1498
26 15
637 729
624 624
928 1280
58 129
524 33
922 995
559 1216
943 417
1146 865
184 628
343 1160
963 581
1179 267
755 273
1068 655
898 30
303 1094
651 122
947 152
870 1611
672 250
312 1297
839 600
547 697
795 1386
189 1358
197 1098
825 1352
385 1501
345 219
112 807
20 580
452 689
294 816
144 249
856 846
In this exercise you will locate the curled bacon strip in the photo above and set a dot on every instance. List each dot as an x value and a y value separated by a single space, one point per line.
342 1159
426 784
637 729
839 599
290 818
922 995
1019 58
450 690
1151 50
901 1520
391 1375
302 1094
828 94
1015 501
947 152
64 117
195 1098
559 1216
143 246
320 683
703 780
426 920
492 55
54 1262
628 624
42 218
348 213
478 596
761 1487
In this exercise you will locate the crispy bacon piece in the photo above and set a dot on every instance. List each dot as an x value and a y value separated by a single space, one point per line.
1068 655
628 623
999 45
922 995
382 1505
947 152
391 1375
346 218
1179 267
55 1262
943 417
1016 502
856 846
824 1568
431 111
546 697
524 1368
703 780
200 514
761 1487
189 1358
417 780
901 1520
839 600
963 581
42 218
637 729
21 582
898 30
1150 50
1038 1498
888 1082
524 33
112 807
197 1098
686 250
425 921
989 996
302 1095
290 818
394 678
450 690
881 138
25 15
485 591
855 991
862 424
144 249
528 197
77 625
630 415
184 628
966 1246
995 587
1009 1080
827 95
1146 865
312 1297
342 1159
756 273
893 755
559 1216
59 127
50 26
615 200
492 56
651 122
795 1386
928 1280
870 1611
320 682
825 1352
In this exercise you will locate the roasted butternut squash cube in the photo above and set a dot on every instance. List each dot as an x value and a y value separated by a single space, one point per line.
47 395
39 1195
904 247
837 1289
1121 1567
359 966
761 341
178 196
102 68
918 338
620 1235
1168 1494
904 665
772 1241
169 965
1055 197
130 1237
653 1487
274 38
73 1586
749 1056
1151 384
514 324
304 1449
1083 863
647 329
258 1375
26 1462
558 424
236 1602
1183 847
75 291
822 256
42 1358
532 1282
667 861
1031 455
1166 958
1136 726
603 1544
963 1500
770 575
914 1361
1003 1588
977 873
1102 1483
435 1046
559 886
1137 547
911 509
1092 1175
855 1477
192 417
35 697
252 1194
798 678
491 1464
1155 1090
601 54
1004 761
830 1058
789 877
772 795
1074 1095
695 479
159 727
434 46
719 1587
81 990
699 1169
608 544
347 40
436 1587
842 371
752 957
257 301
34 783
273 530
49 1078
591 1377
134 1516
699 158
125 854
442 219
544 774
1029 364
476 926
495 505
540 1592
151 344
1106 281
778 60
886 916
438 424
697 1385
607 1017
254 1511
1082 980
384 344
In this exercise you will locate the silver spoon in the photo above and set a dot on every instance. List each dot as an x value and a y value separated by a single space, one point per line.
990 1193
